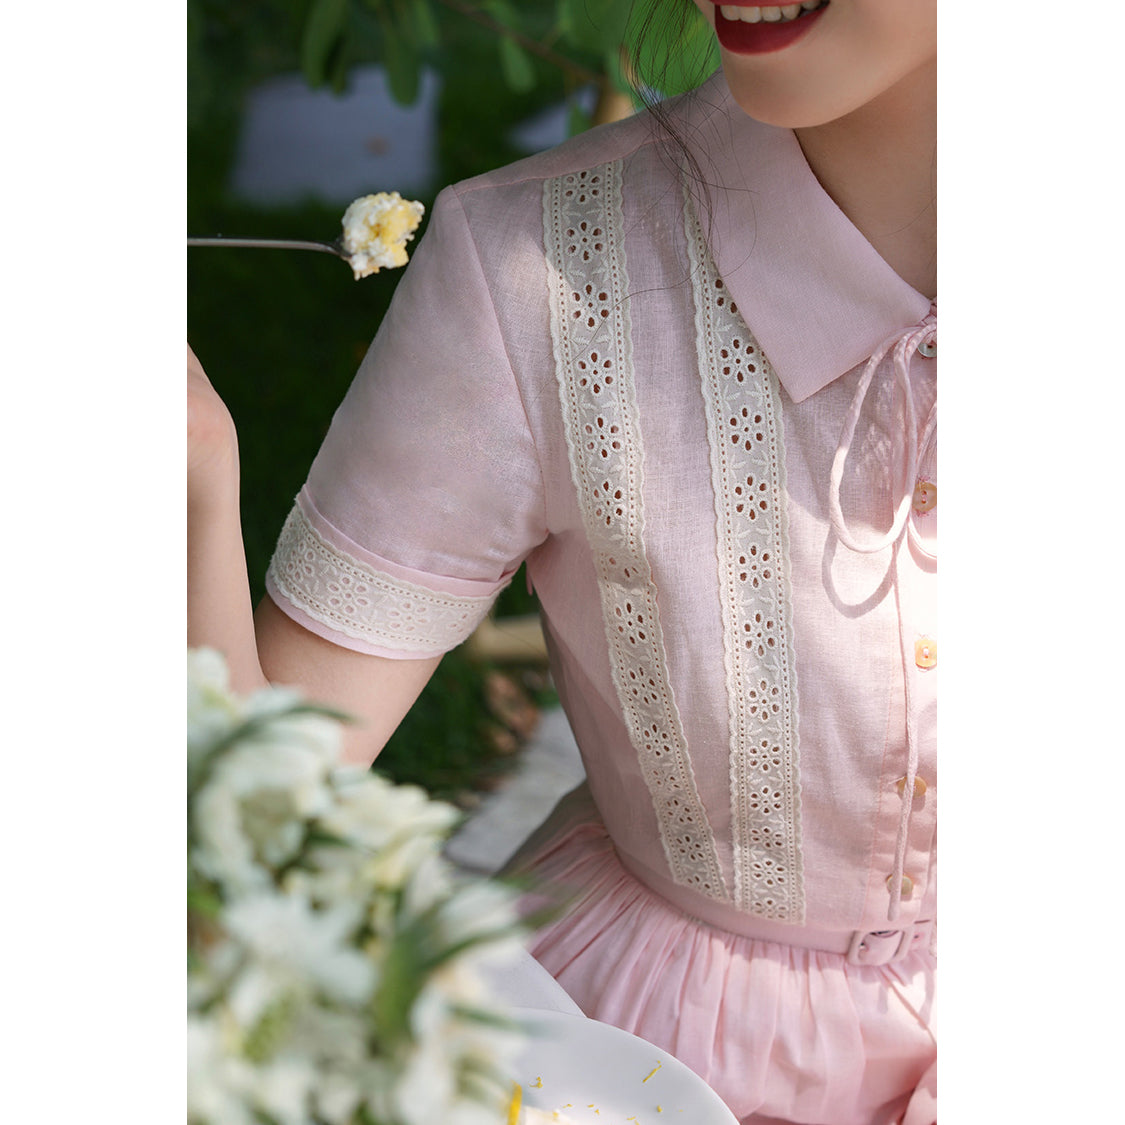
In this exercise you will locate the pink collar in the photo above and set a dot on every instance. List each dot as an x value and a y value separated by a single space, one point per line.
814 291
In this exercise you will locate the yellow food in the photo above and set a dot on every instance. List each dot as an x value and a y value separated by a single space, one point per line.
519 1114
377 229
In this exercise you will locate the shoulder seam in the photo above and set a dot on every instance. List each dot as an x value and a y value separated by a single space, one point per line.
485 181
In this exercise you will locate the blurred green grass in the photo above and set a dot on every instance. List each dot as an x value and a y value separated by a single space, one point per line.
281 333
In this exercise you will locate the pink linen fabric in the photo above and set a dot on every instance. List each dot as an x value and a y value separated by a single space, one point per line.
750 677
766 1024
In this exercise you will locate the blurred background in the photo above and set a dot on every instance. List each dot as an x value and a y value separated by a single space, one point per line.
296 107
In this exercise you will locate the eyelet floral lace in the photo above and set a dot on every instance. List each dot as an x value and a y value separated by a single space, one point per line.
743 409
591 333
363 602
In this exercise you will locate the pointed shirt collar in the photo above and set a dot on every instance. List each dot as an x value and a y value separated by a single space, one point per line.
816 294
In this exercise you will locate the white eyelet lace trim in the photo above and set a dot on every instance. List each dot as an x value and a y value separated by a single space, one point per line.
748 473
591 332
356 599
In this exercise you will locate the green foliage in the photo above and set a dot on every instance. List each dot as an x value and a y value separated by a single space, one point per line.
585 39
322 44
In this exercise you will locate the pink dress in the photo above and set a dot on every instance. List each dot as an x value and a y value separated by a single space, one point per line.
707 422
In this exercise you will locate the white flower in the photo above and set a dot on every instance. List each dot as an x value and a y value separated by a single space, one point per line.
337 1097
319 873
431 883
397 830
335 1036
211 710
426 1086
295 951
282 1089
218 1081
250 813
222 851
448 1043
479 910
374 813
377 1081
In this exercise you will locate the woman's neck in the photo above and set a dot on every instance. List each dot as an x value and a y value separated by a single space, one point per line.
879 165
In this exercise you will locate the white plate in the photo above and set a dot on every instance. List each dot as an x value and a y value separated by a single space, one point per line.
598 1074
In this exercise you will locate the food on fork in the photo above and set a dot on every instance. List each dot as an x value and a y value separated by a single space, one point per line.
377 229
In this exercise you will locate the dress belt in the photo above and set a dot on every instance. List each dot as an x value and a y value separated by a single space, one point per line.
858 947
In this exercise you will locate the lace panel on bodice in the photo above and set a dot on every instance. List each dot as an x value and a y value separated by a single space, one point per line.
743 407
590 323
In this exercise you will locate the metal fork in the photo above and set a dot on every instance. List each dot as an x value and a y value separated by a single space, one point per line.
273 244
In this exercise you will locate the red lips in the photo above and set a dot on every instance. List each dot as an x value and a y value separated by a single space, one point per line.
763 37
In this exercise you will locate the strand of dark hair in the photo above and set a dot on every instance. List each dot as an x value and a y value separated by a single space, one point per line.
648 74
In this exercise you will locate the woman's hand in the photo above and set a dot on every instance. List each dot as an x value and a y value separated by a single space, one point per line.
219 613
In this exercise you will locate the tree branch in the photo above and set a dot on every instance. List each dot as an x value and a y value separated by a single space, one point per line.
532 46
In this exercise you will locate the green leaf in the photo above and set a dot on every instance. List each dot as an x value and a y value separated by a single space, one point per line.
319 838
577 120
564 20
400 60
615 71
425 25
202 899
404 74
399 985
516 66
270 1030
323 34
336 75
502 12
596 25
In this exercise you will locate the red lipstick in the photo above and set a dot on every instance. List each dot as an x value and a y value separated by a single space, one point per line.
763 37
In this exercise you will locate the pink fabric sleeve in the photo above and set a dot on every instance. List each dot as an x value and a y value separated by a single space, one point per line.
428 481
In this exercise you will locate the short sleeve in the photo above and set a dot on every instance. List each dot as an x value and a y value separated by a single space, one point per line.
427 492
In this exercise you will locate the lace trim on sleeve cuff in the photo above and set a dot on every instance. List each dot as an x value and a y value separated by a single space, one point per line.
356 600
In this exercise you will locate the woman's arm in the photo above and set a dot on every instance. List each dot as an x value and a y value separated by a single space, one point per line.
375 690
269 647
219 613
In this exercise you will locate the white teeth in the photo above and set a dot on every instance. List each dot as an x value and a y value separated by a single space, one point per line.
771 14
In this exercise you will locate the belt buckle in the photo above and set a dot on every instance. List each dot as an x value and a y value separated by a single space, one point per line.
881 947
